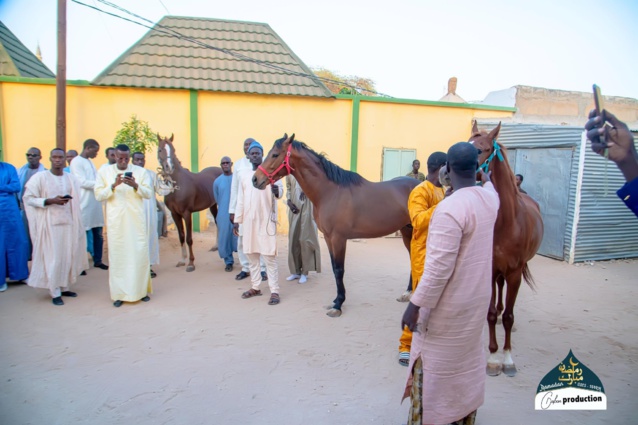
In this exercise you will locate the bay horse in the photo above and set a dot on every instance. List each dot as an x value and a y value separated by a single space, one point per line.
190 192
346 206
518 232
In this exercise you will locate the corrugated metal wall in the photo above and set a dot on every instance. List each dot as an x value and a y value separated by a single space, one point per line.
605 228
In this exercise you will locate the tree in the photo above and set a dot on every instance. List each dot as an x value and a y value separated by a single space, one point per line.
136 134
340 84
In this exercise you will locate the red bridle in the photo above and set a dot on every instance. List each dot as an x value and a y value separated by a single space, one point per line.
286 163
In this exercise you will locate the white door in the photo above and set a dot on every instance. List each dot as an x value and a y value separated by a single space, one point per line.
397 162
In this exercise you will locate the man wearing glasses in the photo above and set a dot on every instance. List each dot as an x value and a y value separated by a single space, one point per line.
27 171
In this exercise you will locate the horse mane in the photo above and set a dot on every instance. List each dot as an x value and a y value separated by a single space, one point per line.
334 173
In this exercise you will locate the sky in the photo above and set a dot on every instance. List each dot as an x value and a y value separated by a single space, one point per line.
409 48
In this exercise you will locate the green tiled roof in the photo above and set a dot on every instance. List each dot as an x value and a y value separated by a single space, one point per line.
17 60
160 60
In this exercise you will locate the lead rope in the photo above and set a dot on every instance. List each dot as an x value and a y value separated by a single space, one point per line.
273 214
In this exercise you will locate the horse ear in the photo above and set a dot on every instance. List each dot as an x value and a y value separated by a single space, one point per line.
494 133
292 138
475 129
171 139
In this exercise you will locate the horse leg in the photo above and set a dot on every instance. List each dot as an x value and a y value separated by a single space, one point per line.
213 210
494 365
189 240
406 234
338 256
513 283
500 282
179 223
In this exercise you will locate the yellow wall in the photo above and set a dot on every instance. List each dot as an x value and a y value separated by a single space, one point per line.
411 126
226 120
27 114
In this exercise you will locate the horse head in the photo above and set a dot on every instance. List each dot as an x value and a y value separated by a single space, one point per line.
486 145
276 164
166 154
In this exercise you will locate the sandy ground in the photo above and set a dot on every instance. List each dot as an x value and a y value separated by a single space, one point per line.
199 354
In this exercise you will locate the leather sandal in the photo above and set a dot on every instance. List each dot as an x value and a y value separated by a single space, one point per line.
274 299
251 293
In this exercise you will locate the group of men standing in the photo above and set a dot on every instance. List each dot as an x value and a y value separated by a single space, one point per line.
247 224
63 209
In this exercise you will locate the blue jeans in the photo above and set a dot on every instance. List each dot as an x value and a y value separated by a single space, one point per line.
98 242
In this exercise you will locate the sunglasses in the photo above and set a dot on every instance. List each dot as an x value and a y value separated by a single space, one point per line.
33 154
225 163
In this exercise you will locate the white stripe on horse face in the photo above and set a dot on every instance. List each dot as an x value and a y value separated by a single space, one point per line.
168 156
472 142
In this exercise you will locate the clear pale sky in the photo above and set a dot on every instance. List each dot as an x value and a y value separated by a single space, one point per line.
409 48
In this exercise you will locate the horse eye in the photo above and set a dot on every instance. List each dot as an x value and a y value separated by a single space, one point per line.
479 151
275 155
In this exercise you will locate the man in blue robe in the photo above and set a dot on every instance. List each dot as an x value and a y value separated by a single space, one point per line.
13 238
226 240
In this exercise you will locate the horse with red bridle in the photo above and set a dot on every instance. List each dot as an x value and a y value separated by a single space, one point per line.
346 206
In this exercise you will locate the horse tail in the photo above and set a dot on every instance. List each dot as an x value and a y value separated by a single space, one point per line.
527 275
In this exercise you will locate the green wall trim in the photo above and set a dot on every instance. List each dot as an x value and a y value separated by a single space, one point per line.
50 81
354 141
194 129
426 103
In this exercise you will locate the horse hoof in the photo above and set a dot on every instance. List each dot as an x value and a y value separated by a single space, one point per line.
493 369
190 268
180 264
333 312
509 370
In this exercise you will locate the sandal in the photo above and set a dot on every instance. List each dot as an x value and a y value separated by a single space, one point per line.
404 358
274 299
251 293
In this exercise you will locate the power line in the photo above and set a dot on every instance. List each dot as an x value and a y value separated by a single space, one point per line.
165 8
173 33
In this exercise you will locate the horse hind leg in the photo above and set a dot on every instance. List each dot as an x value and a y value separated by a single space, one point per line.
213 211
494 364
189 240
513 284
406 234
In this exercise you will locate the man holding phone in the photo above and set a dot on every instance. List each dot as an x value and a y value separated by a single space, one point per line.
55 222
124 188
616 143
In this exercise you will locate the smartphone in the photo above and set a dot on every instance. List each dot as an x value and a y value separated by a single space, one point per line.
128 174
598 100
67 197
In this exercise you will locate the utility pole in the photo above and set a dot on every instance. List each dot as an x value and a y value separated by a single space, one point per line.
60 79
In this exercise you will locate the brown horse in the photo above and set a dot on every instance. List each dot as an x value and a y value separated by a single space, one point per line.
189 192
346 206
517 235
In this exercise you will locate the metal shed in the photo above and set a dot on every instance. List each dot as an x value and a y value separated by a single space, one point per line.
576 189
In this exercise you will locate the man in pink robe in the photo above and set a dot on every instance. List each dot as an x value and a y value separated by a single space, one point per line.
448 310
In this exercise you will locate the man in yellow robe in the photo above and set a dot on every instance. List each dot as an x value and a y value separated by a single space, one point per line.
124 187
421 204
